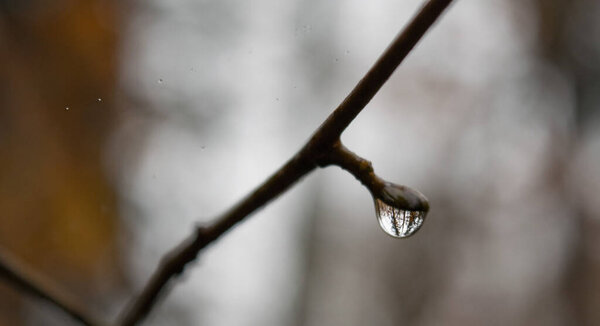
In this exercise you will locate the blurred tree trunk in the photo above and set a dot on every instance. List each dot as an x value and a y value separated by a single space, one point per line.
567 40
58 210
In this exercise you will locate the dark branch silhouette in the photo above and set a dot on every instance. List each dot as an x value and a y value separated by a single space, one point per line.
307 159
29 281
324 148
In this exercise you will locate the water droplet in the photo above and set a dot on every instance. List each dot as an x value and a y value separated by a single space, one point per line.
397 222
400 210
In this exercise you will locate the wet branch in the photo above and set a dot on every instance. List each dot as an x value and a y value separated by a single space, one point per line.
308 158
359 167
324 148
38 286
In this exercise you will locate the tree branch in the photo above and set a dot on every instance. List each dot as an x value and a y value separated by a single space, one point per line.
37 285
308 158
359 167
323 148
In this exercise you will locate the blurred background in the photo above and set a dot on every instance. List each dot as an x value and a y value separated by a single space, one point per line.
123 124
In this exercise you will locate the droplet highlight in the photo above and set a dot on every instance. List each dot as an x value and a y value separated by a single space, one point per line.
396 222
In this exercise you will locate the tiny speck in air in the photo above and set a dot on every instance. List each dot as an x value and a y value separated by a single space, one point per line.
99 99
160 81
67 108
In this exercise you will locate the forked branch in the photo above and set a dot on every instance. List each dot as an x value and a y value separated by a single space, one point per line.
323 148
307 159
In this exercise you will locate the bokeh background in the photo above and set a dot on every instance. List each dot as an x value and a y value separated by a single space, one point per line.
125 123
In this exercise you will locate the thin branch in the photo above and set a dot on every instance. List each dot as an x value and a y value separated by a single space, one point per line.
307 159
359 167
381 71
37 285
399 196
174 262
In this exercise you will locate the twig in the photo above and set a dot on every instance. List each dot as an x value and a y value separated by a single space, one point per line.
37 285
359 167
307 159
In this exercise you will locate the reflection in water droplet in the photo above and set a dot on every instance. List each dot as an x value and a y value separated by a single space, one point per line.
397 222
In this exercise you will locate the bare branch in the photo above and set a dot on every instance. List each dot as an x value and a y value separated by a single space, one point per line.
308 158
174 262
37 285
359 167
